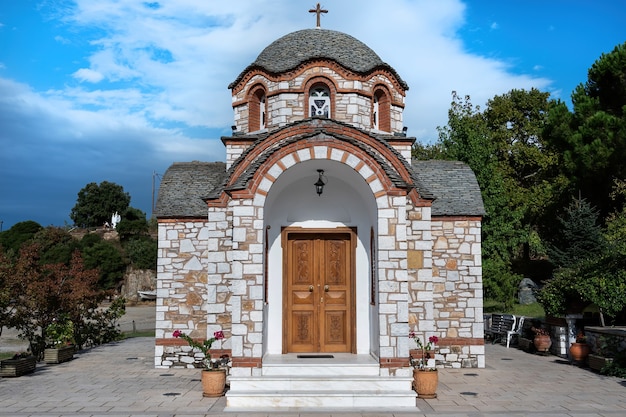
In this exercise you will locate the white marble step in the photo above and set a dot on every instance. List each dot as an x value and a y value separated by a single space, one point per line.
344 381
339 364
315 401
320 383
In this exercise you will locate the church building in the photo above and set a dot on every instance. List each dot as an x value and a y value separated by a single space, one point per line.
319 245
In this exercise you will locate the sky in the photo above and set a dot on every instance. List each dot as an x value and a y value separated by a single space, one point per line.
118 90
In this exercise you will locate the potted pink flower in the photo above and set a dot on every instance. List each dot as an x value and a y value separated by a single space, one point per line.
425 378
214 370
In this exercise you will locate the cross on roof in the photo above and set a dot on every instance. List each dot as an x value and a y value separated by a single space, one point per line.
318 11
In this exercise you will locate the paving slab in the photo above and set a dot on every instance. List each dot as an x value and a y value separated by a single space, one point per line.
119 379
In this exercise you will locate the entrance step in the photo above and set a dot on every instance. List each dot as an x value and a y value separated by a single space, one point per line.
344 381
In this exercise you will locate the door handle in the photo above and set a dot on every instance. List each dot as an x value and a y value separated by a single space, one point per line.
310 288
326 288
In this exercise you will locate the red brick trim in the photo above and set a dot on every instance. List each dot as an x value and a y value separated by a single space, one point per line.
460 341
457 218
394 362
241 362
316 63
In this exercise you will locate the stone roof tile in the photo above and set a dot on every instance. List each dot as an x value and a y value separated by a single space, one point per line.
184 185
454 186
296 48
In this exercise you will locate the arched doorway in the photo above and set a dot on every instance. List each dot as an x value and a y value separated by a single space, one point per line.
339 223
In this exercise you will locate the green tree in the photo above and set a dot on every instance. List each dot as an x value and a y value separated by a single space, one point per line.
19 233
107 259
593 267
96 203
132 224
57 245
580 236
142 252
592 139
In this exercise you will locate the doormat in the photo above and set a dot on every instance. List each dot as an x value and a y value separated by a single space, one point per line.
315 356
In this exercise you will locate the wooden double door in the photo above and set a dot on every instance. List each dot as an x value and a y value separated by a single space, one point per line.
318 300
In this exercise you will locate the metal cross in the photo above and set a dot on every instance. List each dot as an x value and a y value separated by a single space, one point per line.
318 11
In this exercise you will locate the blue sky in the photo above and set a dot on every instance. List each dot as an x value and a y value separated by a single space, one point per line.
116 90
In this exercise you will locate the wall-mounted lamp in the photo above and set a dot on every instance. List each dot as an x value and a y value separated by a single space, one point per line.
321 182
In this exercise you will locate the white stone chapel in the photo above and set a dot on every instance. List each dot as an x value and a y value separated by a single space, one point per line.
318 245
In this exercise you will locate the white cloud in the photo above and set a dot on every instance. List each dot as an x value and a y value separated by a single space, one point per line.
494 26
89 75
185 53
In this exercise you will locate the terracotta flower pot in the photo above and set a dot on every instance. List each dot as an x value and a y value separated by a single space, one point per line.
213 382
542 342
579 351
425 382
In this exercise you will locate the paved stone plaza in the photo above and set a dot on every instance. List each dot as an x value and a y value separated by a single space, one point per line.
120 380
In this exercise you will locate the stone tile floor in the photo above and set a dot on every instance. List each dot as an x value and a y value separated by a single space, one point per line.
119 380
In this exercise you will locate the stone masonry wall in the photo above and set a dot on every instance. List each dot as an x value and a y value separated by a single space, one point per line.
458 291
188 299
392 283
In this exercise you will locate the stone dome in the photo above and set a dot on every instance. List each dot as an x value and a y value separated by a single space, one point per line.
295 48
291 50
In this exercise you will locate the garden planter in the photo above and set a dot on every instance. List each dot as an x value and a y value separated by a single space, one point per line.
425 382
542 342
58 354
213 382
579 351
597 362
17 367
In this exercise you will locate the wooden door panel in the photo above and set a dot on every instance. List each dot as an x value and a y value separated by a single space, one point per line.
336 331
317 294
303 331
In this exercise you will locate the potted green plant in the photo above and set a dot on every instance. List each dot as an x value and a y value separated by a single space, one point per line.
214 369
20 364
425 374
59 341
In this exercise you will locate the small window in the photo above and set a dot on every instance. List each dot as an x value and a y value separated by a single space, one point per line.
319 101
262 120
381 110
375 114
257 110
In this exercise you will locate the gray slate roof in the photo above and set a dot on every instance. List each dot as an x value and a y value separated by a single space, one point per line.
295 48
183 186
454 185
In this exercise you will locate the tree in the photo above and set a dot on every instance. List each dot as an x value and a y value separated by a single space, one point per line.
133 224
57 245
40 294
96 203
19 233
580 236
107 259
592 139
142 252
593 266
